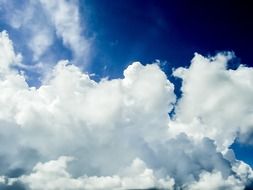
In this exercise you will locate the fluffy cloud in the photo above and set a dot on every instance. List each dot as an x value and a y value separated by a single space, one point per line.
213 181
75 133
7 55
216 102
53 175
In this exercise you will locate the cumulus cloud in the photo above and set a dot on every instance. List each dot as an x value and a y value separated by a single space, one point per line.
212 181
53 175
216 101
75 133
7 55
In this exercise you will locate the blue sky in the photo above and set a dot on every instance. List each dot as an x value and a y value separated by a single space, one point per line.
167 30
194 77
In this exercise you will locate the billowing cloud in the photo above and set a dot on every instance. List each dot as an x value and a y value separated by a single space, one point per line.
75 133
53 175
7 54
216 102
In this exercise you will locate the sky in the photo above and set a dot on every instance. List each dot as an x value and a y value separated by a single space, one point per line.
102 94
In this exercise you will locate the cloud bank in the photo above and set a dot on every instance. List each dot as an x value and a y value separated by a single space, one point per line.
75 133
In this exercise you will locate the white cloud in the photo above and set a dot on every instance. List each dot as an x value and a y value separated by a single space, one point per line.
34 30
39 31
40 42
65 17
53 175
117 130
214 181
216 102
7 55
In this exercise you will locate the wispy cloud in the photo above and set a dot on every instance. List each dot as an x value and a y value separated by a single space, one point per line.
41 23
64 15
